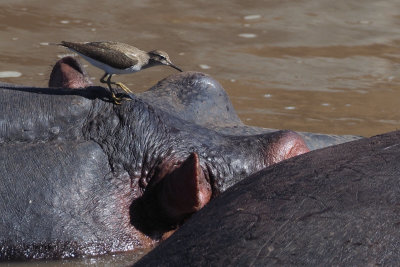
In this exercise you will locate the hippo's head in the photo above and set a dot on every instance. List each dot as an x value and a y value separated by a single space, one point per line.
81 175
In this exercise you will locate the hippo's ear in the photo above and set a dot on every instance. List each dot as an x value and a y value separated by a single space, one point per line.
172 199
69 73
184 191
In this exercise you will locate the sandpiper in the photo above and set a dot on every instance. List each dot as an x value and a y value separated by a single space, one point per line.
118 58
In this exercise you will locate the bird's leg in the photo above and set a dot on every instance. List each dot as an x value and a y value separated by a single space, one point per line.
124 87
121 85
116 99
103 77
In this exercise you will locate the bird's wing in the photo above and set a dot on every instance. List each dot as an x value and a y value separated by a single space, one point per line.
104 52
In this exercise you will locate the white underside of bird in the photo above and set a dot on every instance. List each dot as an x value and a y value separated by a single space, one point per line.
108 69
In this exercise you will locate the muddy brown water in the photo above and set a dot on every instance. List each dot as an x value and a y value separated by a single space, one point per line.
317 65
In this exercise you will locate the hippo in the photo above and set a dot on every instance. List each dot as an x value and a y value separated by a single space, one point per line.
83 176
339 208
210 108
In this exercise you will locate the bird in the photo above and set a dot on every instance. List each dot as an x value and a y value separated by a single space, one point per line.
118 58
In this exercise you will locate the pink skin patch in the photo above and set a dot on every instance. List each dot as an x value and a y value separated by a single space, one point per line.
185 190
67 73
289 145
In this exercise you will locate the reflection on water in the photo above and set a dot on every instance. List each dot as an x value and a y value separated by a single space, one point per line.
318 65
121 259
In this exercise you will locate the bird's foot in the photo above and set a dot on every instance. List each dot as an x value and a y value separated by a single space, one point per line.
116 99
126 97
124 87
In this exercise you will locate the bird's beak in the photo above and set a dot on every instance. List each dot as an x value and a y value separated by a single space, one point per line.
175 67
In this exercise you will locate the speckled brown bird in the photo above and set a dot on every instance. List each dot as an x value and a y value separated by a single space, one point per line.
118 58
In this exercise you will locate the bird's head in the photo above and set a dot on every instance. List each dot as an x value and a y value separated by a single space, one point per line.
161 58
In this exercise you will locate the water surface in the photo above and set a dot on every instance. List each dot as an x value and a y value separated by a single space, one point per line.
319 66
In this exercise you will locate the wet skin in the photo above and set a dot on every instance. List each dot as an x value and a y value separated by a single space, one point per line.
82 176
332 207
204 103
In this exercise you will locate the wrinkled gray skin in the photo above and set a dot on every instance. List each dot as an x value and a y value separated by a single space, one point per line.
337 206
81 176
208 105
